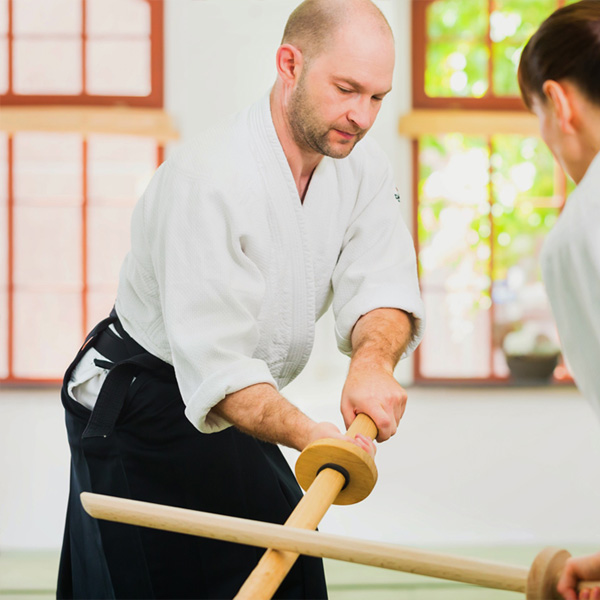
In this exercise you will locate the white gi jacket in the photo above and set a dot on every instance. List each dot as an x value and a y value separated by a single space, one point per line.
571 270
228 271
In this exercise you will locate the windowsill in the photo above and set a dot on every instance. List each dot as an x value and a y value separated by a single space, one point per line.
475 122
146 122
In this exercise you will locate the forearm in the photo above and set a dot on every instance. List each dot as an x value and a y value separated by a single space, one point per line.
260 411
380 337
378 340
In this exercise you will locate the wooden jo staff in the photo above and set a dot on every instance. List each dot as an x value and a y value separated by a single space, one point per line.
332 471
538 582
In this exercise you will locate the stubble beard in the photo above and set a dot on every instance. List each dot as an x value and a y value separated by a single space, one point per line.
309 132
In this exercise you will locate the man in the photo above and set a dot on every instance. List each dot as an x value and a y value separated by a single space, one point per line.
240 243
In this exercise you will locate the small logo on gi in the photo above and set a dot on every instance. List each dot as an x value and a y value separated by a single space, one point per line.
396 194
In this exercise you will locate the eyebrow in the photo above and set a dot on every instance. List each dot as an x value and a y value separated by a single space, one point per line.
358 86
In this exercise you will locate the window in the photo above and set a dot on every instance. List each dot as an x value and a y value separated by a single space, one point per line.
75 52
487 189
69 177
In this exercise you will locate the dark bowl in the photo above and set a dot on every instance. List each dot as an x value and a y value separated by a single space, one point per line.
532 366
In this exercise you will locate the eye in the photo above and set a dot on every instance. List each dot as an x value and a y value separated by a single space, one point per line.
344 90
377 98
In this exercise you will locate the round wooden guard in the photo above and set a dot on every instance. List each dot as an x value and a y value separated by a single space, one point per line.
360 466
544 574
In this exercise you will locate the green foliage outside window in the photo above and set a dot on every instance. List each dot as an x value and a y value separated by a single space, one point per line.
471 43
486 205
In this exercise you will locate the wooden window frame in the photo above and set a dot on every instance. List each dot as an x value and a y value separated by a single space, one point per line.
11 378
86 115
155 99
419 51
483 117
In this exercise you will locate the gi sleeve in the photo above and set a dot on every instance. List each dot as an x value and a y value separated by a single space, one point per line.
211 294
377 266
570 262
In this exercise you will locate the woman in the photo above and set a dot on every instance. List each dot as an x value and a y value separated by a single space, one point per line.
559 77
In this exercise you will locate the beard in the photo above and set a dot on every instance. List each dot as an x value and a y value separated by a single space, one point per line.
311 133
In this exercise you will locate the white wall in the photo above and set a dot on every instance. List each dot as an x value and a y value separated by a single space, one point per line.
467 466
473 467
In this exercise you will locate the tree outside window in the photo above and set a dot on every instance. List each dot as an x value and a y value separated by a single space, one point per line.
484 203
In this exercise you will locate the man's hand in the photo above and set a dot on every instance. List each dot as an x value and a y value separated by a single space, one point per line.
329 430
582 568
378 340
372 390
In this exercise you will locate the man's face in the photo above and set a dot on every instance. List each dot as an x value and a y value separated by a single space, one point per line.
339 93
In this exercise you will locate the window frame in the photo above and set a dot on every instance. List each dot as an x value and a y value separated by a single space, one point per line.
154 100
114 115
419 52
437 115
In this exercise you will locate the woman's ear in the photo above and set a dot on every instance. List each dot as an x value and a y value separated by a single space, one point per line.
289 62
562 103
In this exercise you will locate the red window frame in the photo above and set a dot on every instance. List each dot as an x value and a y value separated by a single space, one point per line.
489 102
419 62
154 99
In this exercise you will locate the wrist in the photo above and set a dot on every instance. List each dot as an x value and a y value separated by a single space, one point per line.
367 362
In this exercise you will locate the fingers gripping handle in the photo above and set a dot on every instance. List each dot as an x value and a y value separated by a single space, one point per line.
362 424
358 467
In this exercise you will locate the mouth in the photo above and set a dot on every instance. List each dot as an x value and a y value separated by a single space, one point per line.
345 135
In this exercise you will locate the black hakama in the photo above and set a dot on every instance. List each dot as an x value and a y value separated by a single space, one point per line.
137 443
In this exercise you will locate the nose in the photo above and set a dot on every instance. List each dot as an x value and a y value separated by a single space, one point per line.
362 113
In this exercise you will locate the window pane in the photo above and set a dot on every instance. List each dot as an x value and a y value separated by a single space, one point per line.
515 18
47 332
108 228
120 68
525 207
47 246
3 328
3 17
460 347
506 57
3 65
456 69
458 45
119 170
99 305
3 256
457 54
454 255
3 46
3 210
457 19
48 169
3 170
511 24
118 17
47 66
47 17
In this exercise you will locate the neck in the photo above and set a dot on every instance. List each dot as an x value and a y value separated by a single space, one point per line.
302 161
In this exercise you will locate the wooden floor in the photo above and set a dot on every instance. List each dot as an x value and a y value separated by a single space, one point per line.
32 576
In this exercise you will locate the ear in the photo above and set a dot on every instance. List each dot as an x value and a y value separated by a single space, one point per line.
289 62
562 103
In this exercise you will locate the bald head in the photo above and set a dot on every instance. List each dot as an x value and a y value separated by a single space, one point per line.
314 24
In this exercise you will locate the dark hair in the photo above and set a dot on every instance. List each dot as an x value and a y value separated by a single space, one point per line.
566 46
